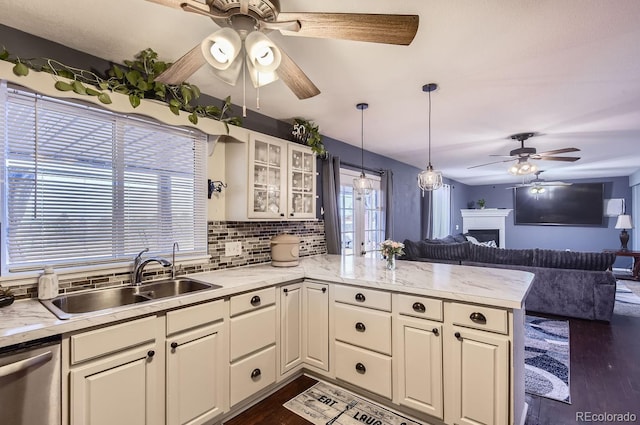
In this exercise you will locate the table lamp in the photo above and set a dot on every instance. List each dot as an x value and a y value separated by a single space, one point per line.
624 223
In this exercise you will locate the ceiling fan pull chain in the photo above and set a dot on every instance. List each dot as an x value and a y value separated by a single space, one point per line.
244 85
258 92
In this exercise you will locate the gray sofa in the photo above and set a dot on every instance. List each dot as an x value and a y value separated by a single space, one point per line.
566 283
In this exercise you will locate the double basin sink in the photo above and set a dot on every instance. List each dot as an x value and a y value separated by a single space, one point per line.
70 305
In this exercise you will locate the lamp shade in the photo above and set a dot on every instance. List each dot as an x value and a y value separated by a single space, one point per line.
221 48
263 54
624 222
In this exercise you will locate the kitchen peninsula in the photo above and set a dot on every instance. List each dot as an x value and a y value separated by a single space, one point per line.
421 339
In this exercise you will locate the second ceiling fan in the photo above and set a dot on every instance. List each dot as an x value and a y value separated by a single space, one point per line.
245 24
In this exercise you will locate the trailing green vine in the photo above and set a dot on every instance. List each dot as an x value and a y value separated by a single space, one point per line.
136 80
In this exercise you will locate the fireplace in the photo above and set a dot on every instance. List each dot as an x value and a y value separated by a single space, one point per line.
486 220
485 235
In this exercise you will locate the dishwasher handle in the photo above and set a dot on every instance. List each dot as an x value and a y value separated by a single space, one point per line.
11 368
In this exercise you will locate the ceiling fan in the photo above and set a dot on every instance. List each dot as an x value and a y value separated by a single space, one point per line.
246 22
523 154
537 183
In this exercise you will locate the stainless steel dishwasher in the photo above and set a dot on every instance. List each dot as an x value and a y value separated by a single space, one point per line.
30 383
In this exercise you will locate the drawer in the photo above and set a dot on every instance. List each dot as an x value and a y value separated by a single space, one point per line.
363 297
250 301
477 317
252 331
366 369
363 327
417 306
100 342
252 374
194 316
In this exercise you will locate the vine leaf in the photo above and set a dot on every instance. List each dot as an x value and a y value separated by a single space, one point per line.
63 86
21 70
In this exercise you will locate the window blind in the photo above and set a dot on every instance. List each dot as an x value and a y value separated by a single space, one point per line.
86 186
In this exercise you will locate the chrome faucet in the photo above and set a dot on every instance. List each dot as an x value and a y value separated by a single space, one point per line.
139 264
176 247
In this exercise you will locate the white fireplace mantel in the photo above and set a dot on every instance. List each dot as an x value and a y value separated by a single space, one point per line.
487 218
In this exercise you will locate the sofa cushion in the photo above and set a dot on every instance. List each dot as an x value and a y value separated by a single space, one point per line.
514 257
444 251
411 251
573 259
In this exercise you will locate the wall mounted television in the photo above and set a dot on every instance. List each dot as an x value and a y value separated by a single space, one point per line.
580 204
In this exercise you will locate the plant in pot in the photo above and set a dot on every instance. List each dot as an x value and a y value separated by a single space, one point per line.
308 133
482 203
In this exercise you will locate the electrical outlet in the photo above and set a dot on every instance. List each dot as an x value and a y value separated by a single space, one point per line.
457 227
232 248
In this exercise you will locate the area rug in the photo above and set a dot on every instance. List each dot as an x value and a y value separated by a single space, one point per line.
546 355
627 302
326 404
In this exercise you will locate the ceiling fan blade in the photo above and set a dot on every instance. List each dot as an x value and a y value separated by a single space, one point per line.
505 156
557 158
374 28
183 68
555 151
489 163
297 81
198 8
179 4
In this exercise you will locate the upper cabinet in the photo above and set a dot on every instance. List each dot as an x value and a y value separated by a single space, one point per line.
270 179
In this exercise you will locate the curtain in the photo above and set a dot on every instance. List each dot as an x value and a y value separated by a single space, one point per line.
442 212
425 217
386 184
330 193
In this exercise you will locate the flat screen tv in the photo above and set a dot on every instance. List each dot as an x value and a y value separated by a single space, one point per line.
580 204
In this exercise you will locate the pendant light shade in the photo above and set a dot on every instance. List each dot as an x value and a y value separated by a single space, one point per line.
362 185
429 179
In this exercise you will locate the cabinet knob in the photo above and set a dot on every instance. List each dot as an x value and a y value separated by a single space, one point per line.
174 345
281 214
291 214
151 353
360 327
360 368
435 331
478 318
324 290
457 335
360 297
419 307
286 291
255 300
255 373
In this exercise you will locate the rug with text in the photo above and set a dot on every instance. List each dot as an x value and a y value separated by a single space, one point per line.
627 302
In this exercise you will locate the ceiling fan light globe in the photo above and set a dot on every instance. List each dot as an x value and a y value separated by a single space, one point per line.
263 54
259 78
221 48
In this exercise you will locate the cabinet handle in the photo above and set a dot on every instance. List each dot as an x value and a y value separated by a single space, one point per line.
174 345
360 327
151 353
360 297
457 335
255 300
255 373
324 290
435 331
286 291
291 214
478 318
360 368
419 307
281 214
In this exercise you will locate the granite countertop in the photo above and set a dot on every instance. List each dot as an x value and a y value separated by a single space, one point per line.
26 320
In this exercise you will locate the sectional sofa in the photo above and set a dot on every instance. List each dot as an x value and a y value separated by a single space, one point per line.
566 283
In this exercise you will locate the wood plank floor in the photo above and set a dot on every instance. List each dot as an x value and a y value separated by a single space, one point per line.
604 368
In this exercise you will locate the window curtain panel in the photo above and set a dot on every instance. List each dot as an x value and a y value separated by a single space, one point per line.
442 212
386 184
426 216
330 193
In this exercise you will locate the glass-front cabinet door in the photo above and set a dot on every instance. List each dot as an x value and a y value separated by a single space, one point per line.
267 178
302 182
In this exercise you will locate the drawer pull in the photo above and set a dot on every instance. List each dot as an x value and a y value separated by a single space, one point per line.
360 368
360 297
255 300
174 345
255 373
286 291
478 318
360 327
419 307
324 290
435 331
458 336
151 353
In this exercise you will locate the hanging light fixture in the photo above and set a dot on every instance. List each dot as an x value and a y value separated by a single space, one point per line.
362 185
429 179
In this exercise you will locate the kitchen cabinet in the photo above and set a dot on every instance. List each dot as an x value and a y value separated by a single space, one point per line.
270 179
315 325
290 326
196 373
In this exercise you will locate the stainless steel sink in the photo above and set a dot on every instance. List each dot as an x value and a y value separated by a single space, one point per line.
70 305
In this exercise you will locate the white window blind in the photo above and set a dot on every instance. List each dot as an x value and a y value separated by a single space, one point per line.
84 186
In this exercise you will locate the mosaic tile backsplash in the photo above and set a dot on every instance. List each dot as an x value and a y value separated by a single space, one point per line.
255 238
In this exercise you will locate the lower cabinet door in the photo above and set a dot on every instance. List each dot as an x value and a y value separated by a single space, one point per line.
118 389
418 359
195 375
251 374
290 327
315 323
479 372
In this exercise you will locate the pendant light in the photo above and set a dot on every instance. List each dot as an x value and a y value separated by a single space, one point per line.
429 179
362 185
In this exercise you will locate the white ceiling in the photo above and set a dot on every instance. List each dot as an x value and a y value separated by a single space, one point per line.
569 69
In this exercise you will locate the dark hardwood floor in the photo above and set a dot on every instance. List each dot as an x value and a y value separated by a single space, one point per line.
604 368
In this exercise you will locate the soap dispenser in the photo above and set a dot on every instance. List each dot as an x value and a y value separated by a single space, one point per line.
48 284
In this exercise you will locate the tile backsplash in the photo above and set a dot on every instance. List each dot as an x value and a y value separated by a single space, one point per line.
254 236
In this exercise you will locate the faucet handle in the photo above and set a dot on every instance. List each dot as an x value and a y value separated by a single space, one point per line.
139 256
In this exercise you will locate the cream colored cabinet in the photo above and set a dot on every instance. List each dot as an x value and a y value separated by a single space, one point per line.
290 326
417 353
315 325
252 343
196 374
114 375
269 178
